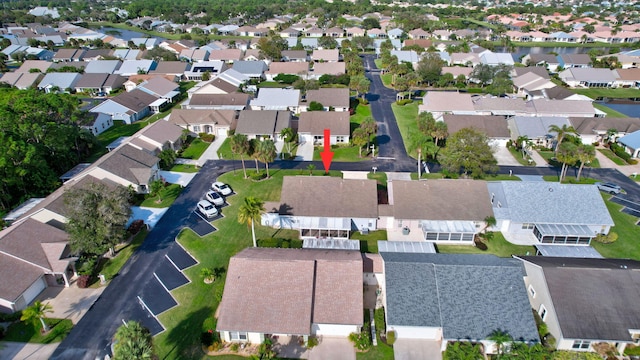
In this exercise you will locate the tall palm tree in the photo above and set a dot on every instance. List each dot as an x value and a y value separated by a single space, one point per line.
267 153
439 132
585 154
561 133
567 156
240 146
36 312
287 135
250 212
500 337
132 342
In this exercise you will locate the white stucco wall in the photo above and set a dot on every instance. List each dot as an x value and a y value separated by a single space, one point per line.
333 329
416 332
252 337
535 279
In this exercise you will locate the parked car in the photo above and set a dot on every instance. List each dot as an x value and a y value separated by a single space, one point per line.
611 188
221 187
207 209
214 198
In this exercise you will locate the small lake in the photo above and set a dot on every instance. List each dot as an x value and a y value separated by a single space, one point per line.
628 108
521 51
125 35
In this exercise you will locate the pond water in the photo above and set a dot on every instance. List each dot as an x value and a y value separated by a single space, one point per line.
125 35
629 108
521 51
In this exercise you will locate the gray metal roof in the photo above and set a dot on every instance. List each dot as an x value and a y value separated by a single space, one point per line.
548 203
102 66
250 67
406 246
61 80
537 127
577 251
469 296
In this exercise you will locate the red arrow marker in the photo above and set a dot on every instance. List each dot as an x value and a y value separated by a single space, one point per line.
327 154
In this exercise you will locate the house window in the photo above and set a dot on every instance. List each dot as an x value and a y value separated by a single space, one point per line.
196 128
532 291
527 226
340 139
581 345
542 312
238 336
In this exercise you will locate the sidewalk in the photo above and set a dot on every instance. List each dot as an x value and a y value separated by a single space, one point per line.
212 151
22 351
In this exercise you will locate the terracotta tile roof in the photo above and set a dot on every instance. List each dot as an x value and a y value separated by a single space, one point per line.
285 291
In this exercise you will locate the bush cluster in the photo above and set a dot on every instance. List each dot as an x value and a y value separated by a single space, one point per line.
83 281
135 226
403 102
207 137
258 176
619 151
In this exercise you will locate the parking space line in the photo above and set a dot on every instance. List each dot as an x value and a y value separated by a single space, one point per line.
169 292
626 200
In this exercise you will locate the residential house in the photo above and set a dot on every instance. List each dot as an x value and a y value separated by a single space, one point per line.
631 143
588 77
96 83
419 34
332 99
585 302
98 123
234 77
127 54
314 32
129 107
251 69
439 103
22 80
324 207
434 297
562 108
194 55
312 124
354 31
536 128
327 55
495 127
327 68
298 68
40 65
465 59
217 122
162 89
276 99
215 86
593 130
263 124
225 55
33 256
133 67
423 43
294 56
68 55
290 33
395 33
213 67
59 82
627 78
376 33
531 213
531 82
173 68
148 43
253 55
406 56
324 298
548 61
491 105
495 59
554 93
574 61
457 71
161 135
96 54
442 211
128 166
102 66
233 101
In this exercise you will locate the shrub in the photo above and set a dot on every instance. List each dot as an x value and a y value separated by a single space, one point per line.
206 338
136 226
363 101
207 137
632 350
606 238
215 346
312 342
1 332
391 337
86 265
234 347
10 317
258 176
280 243
403 102
480 245
83 281
633 161
362 340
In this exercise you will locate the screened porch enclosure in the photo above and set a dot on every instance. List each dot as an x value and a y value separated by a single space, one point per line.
448 230
563 234
324 227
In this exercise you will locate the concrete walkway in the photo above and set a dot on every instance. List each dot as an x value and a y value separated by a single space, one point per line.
359 175
538 159
26 351
69 302
174 177
605 162
305 151
212 151
398 176
331 348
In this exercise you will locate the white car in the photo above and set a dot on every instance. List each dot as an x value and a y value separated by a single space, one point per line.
207 209
221 187
214 198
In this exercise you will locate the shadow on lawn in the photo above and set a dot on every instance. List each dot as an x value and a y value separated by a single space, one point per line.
183 340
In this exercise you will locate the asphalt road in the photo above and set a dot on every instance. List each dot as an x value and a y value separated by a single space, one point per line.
90 338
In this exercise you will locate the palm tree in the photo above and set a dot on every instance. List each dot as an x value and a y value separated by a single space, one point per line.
489 221
311 167
250 212
439 132
240 146
567 156
266 153
208 275
132 342
561 133
610 135
36 312
359 139
500 337
287 135
585 154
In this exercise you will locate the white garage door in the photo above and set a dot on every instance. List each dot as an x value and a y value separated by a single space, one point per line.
333 329
33 290
221 133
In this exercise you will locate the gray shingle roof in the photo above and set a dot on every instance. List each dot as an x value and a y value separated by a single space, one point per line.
549 203
262 122
135 100
103 66
493 126
314 122
593 298
329 97
537 126
250 67
469 296
131 164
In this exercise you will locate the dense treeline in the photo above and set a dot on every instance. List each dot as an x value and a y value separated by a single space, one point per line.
40 139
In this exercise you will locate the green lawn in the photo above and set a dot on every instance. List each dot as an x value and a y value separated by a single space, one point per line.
195 149
613 157
626 247
112 267
619 93
116 131
28 332
518 156
185 168
387 79
271 84
369 242
414 175
224 151
609 111
380 352
169 195
362 112
497 246
197 300
406 118
343 154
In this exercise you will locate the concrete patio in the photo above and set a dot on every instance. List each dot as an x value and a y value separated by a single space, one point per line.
69 302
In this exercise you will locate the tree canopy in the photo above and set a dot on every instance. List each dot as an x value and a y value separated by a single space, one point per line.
40 138
133 342
468 150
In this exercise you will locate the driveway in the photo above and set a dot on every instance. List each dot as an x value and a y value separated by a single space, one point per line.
305 152
331 348
174 177
151 216
416 349
504 157
25 351
69 302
